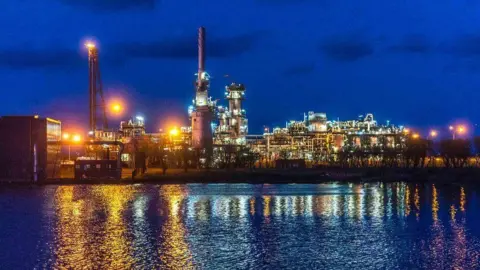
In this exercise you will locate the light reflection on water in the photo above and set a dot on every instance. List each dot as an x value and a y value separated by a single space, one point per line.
242 226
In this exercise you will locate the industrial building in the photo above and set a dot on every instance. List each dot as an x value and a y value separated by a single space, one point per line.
318 140
315 138
26 152
232 126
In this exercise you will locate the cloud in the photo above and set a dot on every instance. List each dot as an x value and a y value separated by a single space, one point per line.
464 46
346 48
412 44
186 48
117 54
50 59
112 5
300 69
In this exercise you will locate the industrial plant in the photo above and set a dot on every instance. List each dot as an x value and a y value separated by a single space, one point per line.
217 134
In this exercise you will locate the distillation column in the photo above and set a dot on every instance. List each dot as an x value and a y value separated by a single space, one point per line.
202 115
235 94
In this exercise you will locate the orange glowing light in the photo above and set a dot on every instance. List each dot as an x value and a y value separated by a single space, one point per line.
433 133
90 45
76 138
117 108
174 131
461 129
406 131
66 136
416 136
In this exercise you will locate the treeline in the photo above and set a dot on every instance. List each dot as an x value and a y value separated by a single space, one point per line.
183 156
416 153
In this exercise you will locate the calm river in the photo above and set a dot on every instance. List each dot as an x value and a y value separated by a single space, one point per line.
240 226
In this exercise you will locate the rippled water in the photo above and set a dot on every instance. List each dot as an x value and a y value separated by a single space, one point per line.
237 226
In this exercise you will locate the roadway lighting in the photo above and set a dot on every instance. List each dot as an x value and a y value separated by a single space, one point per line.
450 127
461 129
416 136
433 133
66 136
406 131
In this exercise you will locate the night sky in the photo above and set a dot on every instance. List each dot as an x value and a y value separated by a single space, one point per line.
415 63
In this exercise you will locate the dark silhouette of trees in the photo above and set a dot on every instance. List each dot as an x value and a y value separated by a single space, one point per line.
455 153
415 152
476 144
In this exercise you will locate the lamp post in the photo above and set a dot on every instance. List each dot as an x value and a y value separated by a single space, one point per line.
452 129
460 130
71 138
432 134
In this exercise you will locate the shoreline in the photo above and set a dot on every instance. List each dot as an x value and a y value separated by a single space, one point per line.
295 176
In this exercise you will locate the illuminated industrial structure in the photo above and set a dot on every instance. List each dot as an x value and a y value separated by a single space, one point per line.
201 114
232 122
133 128
95 89
317 139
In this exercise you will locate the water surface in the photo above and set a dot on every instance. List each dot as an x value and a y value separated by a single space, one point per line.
240 226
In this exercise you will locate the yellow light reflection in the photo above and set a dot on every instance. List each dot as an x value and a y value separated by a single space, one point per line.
252 206
435 204
174 251
407 200
463 199
453 211
416 198
70 238
266 206
115 244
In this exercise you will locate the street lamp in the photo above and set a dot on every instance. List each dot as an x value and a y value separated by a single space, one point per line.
460 130
76 138
116 107
433 133
416 136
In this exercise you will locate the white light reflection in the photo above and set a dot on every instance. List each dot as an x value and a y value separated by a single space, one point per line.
243 206
309 206
377 210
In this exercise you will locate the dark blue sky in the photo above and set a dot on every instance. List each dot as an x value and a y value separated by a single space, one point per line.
412 62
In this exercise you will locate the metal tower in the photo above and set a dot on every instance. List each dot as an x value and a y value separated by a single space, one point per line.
95 89
202 114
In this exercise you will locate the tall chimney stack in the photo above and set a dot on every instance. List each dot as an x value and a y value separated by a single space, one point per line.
201 52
